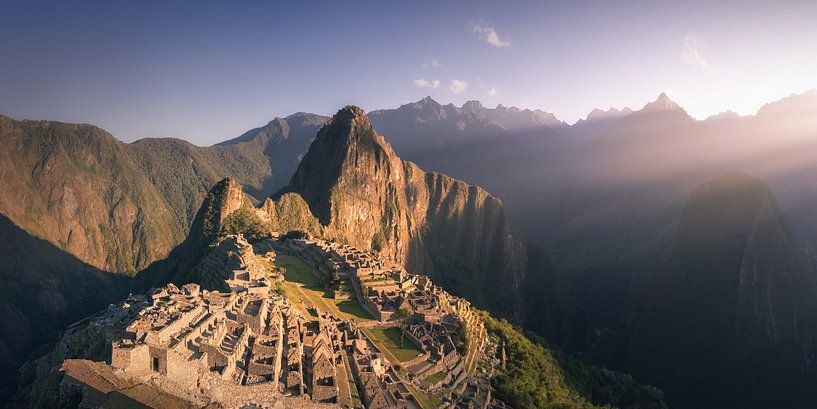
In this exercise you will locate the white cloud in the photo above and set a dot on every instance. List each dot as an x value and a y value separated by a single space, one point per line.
457 86
489 35
432 63
492 92
693 48
421 83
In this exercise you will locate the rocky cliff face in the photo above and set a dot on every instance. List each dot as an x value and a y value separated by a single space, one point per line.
734 297
77 186
120 207
362 193
225 198
79 204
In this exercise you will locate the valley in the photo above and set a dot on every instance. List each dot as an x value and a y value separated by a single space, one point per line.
607 235
280 338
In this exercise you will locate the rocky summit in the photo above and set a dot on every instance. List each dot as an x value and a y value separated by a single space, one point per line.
360 192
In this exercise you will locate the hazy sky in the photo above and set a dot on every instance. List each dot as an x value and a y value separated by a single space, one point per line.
209 72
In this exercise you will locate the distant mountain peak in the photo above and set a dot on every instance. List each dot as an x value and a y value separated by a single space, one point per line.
473 104
795 107
662 104
425 102
475 108
611 113
728 114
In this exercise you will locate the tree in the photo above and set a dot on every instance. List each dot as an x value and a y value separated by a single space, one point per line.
245 221
296 234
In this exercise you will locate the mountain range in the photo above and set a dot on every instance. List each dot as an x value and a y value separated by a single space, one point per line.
609 205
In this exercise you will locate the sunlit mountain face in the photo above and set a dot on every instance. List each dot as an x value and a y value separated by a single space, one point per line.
555 205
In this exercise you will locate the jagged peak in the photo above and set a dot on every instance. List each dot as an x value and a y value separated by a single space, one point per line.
421 104
661 104
473 104
349 114
223 199
278 125
350 122
610 113
427 100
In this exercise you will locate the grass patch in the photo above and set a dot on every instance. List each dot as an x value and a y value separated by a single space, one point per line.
390 338
426 401
353 308
297 271
432 379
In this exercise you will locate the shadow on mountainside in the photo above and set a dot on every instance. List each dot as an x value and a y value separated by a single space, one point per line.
42 290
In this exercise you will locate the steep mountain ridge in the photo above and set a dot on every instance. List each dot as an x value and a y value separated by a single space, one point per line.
79 184
362 193
734 296
42 289
96 205
78 187
427 131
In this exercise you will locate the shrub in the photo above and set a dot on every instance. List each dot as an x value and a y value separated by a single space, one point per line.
246 222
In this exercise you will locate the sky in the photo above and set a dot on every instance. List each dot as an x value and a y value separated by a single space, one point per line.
206 71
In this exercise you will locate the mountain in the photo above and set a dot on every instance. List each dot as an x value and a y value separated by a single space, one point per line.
43 289
262 159
362 193
428 131
604 196
662 104
512 118
600 115
732 314
83 210
78 187
531 373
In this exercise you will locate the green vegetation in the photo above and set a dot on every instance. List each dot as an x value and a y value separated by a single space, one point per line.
401 313
434 378
425 400
297 271
353 308
296 234
246 222
539 376
289 213
378 241
460 338
393 340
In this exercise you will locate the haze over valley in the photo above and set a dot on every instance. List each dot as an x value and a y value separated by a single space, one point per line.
330 207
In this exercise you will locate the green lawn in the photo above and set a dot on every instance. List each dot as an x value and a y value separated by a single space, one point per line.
352 308
297 271
426 400
432 379
390 339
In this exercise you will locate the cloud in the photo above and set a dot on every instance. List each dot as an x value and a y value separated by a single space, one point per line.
492 92
457 86
421 83
693 48
489 35
432 63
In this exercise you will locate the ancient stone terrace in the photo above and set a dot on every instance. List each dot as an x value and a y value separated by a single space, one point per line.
207 341
251 346
378 384
425 314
